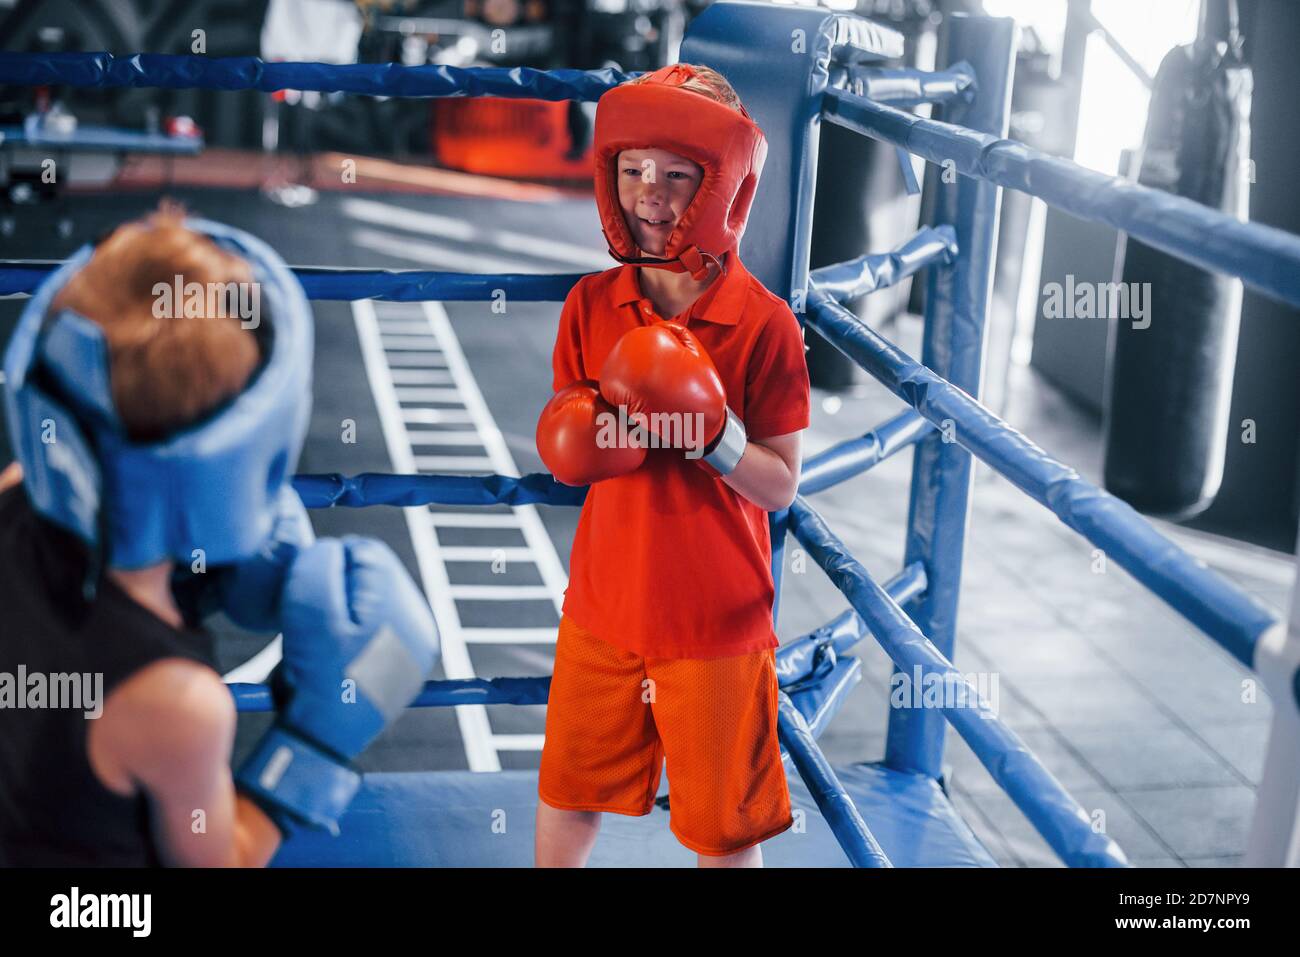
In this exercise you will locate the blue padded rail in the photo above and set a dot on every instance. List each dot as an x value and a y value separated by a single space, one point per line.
167 71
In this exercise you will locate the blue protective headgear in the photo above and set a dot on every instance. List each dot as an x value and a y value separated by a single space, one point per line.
211 486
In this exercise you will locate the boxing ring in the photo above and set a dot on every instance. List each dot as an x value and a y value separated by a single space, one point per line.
894 812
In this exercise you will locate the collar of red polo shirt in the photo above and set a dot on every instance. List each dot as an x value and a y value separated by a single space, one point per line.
720 303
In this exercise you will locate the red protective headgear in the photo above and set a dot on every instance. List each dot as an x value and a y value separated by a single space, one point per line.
658 113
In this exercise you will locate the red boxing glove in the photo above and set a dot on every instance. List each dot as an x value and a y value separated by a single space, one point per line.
568 432
666 379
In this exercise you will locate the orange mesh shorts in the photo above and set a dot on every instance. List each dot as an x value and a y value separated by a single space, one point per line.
614 717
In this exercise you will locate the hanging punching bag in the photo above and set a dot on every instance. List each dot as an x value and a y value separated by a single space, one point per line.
1170 381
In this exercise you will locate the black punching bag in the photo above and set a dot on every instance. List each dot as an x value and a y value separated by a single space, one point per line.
1170 381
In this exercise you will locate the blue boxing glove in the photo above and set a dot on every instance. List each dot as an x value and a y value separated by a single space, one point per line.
359 640
250 592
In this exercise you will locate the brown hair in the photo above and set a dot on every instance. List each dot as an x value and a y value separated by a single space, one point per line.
707 82
165 373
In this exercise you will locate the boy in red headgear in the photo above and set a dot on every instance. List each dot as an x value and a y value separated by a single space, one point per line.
681 392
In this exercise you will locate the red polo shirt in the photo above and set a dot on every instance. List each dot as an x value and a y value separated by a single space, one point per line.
667 561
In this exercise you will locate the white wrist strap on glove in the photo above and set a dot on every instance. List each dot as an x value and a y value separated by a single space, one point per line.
730 446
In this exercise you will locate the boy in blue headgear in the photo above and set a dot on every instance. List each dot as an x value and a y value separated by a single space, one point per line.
157 396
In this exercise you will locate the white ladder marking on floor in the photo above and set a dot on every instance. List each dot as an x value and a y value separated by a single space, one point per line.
407 343
443 437
536 538
453 463
420 377
473 520
508 636
388 342
434 416
410 327
485 553
500 592
425 360
420 393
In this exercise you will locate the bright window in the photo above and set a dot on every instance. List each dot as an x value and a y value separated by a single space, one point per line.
1113 104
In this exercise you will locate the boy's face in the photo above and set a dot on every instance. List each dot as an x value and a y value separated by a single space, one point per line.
654 189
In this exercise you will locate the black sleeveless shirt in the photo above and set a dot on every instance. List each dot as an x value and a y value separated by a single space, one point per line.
54 812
